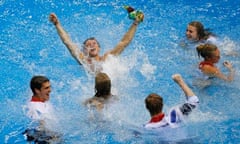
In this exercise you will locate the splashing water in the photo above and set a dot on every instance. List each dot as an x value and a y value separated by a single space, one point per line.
30 46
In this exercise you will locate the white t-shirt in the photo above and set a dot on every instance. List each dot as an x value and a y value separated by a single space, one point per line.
40 110
44 122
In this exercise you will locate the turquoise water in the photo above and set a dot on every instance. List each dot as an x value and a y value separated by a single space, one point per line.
31 46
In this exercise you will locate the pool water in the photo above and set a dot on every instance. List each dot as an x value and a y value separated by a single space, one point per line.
30 46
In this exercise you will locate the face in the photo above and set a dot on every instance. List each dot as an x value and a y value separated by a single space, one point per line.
191 33
92 48
44 92
216 56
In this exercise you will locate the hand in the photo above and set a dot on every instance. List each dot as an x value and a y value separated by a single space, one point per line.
139 17
53 18
177 78
227 65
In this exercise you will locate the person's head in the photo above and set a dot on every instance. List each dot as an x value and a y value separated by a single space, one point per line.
195 31
209 52
102 85
154 104
91 47
40 86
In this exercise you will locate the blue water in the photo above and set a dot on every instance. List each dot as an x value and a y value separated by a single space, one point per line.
30 46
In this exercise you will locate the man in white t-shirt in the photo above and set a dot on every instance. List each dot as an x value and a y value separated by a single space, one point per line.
40 110
154 104
39 107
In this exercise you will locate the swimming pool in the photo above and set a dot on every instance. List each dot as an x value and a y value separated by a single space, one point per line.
31 46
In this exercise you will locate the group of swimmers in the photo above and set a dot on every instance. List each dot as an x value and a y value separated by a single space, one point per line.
39 108
205 45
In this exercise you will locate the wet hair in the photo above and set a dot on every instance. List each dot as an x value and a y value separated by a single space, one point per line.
102 85
202 33
36 82
154 103
206 50
91 38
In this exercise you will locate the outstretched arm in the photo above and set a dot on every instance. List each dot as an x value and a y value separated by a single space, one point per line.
72 47
127 38
192 99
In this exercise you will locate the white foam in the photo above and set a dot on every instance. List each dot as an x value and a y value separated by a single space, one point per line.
228 47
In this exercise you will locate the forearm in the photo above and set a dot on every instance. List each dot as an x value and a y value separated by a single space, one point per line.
72 47
185 88
231 74
127 38
228 77
63 35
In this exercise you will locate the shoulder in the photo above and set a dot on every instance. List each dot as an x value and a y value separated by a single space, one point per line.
105 56
208 69
95 102
175 116
211 39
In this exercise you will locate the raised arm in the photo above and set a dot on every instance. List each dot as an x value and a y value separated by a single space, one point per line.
72 47
127 38
192 99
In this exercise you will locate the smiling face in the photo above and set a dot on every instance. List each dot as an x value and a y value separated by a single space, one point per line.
91 48
44 92
191 33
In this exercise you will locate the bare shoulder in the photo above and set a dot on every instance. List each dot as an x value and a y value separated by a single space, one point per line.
210 70
95 102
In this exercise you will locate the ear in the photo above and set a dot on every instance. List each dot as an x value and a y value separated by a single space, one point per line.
37 91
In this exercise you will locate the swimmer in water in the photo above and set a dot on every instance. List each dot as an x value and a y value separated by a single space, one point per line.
196 34
211 55
91 46
103 93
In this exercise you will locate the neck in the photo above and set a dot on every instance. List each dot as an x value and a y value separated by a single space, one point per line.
104 96
37 99
157 117
92 59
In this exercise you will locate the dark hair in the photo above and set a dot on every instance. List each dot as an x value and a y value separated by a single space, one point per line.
91 38
37 81
102 85
206 50
154 103
202 33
